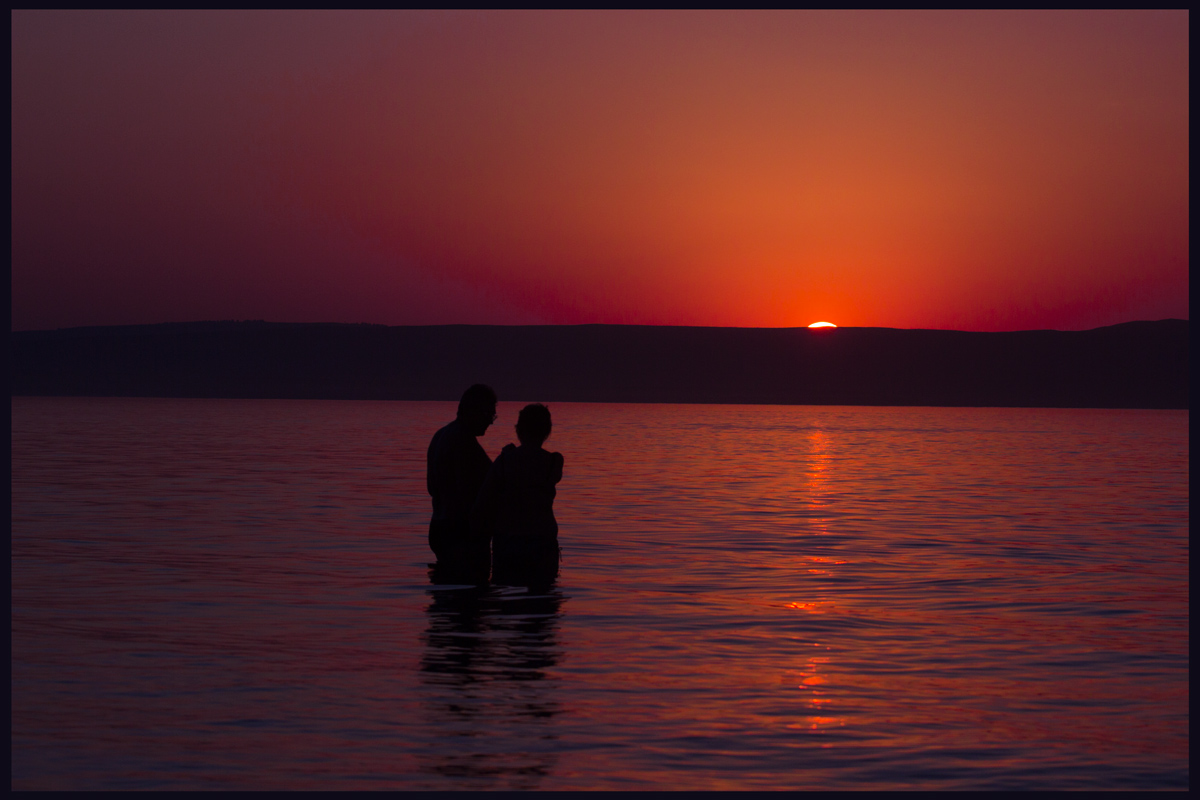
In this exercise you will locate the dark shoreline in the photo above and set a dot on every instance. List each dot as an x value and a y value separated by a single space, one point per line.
1132 365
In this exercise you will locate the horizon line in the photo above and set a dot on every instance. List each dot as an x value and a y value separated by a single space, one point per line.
821 331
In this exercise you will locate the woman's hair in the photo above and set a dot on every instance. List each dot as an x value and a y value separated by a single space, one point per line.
533 424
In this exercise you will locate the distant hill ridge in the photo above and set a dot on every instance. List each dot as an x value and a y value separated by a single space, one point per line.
1131 365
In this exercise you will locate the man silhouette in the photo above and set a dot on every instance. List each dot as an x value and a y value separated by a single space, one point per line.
456 466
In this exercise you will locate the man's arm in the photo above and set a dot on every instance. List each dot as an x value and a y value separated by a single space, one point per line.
432 471
483 513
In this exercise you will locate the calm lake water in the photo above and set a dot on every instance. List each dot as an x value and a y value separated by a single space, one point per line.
228 594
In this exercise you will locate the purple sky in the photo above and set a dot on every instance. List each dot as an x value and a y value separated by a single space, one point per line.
980 171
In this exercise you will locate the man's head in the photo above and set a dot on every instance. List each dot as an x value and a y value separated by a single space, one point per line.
533 424
477 409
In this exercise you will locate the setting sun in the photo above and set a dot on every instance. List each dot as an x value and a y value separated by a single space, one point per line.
822 325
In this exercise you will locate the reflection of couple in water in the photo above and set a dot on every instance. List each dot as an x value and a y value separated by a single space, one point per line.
501 512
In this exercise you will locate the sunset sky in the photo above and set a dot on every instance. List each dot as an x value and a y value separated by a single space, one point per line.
968 170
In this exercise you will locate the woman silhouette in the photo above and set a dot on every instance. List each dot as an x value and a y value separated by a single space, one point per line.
517 502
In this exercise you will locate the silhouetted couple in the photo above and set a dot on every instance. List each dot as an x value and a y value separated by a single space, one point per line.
485 511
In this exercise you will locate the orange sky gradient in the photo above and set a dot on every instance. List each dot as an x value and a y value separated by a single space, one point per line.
967 170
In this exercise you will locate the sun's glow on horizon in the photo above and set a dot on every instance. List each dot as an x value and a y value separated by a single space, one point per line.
822 325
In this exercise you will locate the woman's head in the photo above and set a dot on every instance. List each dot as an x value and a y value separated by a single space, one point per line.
533 424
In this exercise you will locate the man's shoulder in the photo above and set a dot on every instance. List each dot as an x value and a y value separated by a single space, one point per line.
447 435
